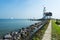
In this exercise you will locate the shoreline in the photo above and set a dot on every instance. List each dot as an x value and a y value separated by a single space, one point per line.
25 33
13 25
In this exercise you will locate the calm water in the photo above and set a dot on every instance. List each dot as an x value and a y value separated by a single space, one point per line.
8 25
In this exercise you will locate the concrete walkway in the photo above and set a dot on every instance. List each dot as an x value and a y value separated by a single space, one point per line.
47 35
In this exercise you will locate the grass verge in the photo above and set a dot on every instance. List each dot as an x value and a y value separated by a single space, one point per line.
55 31
39 34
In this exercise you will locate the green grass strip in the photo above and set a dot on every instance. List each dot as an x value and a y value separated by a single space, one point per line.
55 31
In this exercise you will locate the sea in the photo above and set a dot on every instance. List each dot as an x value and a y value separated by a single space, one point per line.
8 25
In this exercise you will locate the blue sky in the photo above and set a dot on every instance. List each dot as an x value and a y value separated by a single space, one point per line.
28 8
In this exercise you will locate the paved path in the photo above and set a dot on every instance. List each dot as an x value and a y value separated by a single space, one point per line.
47 35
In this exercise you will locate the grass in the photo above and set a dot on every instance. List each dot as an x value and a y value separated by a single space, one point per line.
40 33
55 31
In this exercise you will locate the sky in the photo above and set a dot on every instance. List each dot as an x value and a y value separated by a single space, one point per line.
26 9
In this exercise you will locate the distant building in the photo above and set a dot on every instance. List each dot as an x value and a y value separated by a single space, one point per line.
46 15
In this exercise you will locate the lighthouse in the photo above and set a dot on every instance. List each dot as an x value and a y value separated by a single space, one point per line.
44 10
46 15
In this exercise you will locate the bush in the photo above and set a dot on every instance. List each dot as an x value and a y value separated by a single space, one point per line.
57 21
